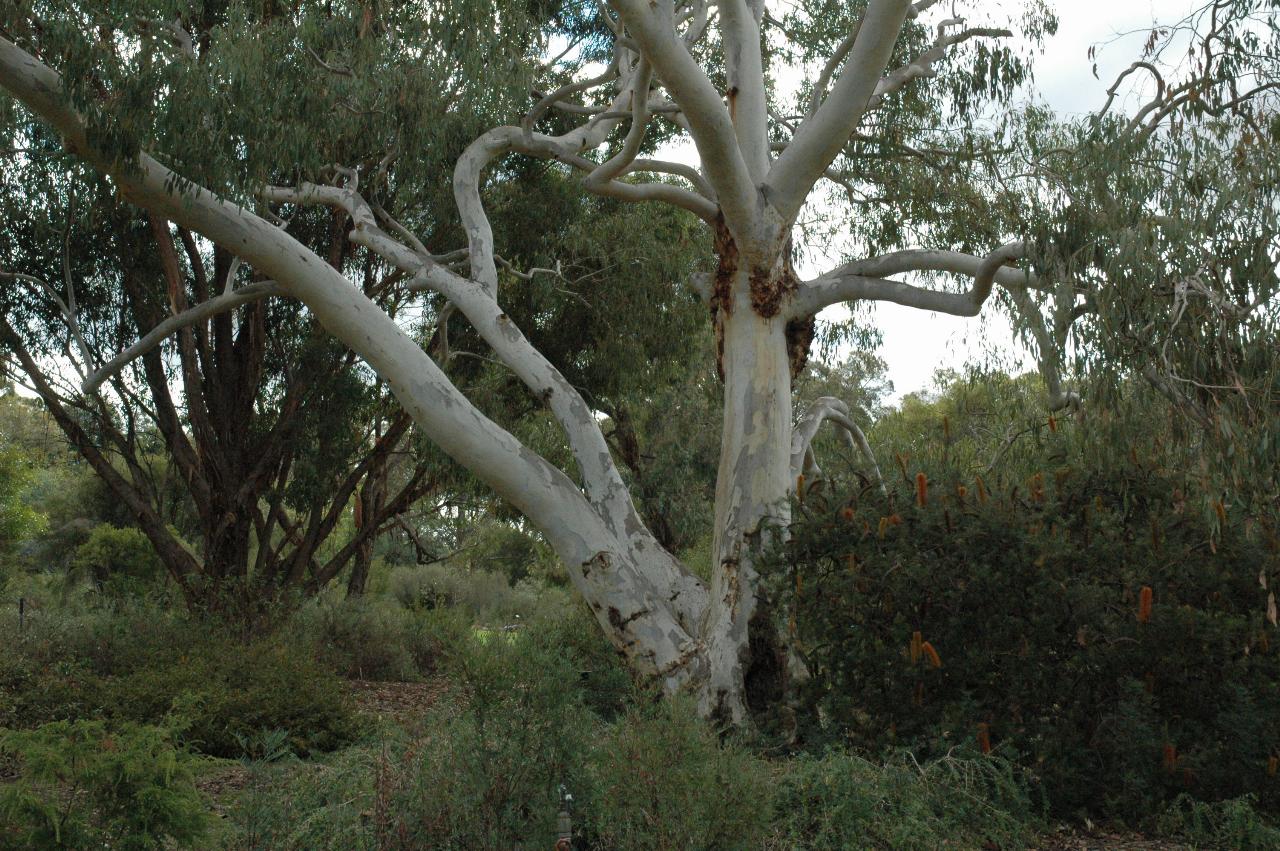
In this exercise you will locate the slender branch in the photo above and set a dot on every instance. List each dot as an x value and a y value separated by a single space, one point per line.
615 165
922 65
199 313
1050 350
828 409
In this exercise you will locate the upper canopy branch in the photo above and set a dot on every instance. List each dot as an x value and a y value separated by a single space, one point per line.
653 27
922 65
820 138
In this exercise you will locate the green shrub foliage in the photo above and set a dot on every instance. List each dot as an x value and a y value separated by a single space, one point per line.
82 785
1106 625
661 778
839 800
140 664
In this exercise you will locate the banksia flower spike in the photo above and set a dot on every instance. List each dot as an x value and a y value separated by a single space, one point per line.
917 646
800 487
846 513
1053 424
982 489
932 655
984 737
922 490
1221 511
1037 487
1273 765
918 697
902 463
1144 604
1169 758
961 492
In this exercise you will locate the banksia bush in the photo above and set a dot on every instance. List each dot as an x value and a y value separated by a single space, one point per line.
1085 691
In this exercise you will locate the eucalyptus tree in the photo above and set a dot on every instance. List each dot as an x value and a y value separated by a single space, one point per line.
887 116
248 438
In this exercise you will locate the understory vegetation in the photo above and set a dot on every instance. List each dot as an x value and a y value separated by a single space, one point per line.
1067 636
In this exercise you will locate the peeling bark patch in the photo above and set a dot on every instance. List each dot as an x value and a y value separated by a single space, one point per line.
726 268
600 560
799 338
733 590
722 286
618 622
769 288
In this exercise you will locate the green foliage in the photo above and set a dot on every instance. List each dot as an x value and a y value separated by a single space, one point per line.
121 561
17 519
661 778
483 773
224 692
1232 824
373 638
143 665
839 801
1031 594
84 785
487 596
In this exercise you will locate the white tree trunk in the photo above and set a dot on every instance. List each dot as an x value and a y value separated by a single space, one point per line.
751 491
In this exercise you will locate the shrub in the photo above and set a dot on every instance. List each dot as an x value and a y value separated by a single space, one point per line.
483 773
840 801
1232 824
225 692
485 595
661 778
135 661
83 785
372 638
1033 600
121 562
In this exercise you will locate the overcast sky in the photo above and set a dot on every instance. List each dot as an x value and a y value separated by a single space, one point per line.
916 343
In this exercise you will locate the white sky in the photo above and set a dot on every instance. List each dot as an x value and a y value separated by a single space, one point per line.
917 343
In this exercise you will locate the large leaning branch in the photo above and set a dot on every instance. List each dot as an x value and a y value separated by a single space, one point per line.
864 281
606 567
